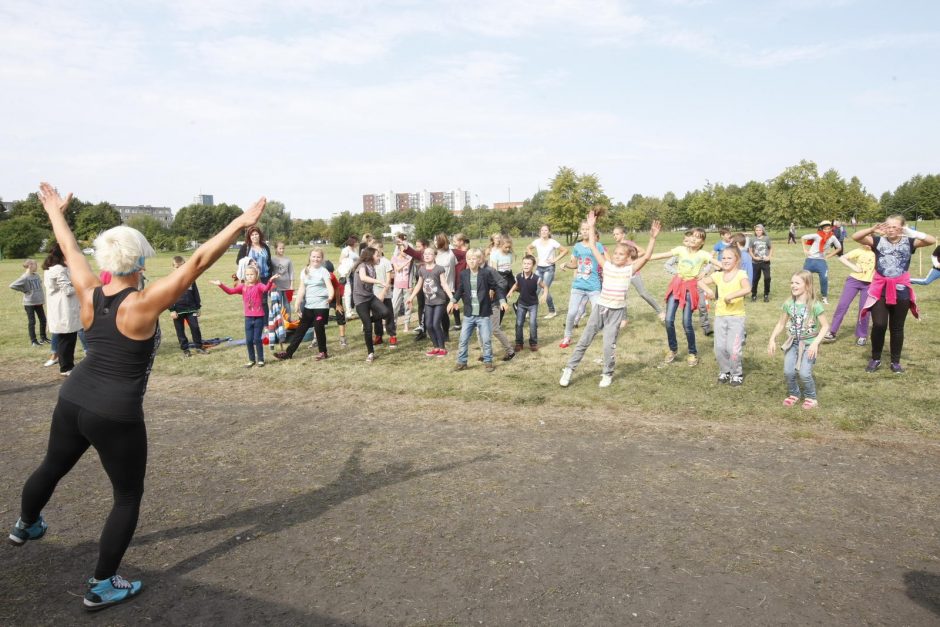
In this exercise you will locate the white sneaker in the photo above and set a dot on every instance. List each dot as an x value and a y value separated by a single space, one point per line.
606 380
825 300
565 377
549 315
50 362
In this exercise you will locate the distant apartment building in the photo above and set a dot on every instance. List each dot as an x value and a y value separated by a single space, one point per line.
506 206
161 214
390 201
204 199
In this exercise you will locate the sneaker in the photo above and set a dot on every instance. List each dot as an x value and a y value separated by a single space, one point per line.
517 347
393 342
442 352
534 348
35 344
508 356
342 342
377 340
460 367
825 300
50 362
829 338
737 380
261 364
420 335
724 377
565 377
662 316
370 358
766 298
250 364
549 315
565 342
873 365
431 353
45 340
21 533
281 356
670 357
606 380
860 341
201 351
321 356
489 367
419 330
708 332
692 360
896 368
753 298
186 353
66 373
108 592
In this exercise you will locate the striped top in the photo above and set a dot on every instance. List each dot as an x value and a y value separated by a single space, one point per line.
615 285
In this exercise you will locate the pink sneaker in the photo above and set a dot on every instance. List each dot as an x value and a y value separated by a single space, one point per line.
441 352
565 343
432 352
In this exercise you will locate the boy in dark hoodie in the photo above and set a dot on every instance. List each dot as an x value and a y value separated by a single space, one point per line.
186 311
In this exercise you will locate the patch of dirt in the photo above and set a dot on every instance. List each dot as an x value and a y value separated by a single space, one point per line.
319 508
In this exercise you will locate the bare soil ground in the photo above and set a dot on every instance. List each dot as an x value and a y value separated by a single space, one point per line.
325 509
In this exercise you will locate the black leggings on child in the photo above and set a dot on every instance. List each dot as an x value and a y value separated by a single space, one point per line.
369 310
885 317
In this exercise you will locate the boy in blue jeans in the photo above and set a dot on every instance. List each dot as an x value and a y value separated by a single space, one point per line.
473 288
528 285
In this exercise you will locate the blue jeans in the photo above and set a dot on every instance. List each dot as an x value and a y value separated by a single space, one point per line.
254 326
533 312
547 275
671 306
575 301
466 332
805 372
932 276
820 267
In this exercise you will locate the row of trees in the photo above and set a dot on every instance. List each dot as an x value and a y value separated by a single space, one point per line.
799 194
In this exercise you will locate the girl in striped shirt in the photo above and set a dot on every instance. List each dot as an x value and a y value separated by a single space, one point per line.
607 316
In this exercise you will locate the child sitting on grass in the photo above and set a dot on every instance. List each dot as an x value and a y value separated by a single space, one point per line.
607 314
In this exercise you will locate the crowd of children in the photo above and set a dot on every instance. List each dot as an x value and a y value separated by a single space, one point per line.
441 278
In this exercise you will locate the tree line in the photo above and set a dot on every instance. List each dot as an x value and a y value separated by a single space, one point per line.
799 194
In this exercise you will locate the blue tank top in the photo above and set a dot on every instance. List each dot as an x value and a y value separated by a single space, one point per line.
112 379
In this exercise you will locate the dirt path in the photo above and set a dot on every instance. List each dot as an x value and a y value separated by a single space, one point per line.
298 513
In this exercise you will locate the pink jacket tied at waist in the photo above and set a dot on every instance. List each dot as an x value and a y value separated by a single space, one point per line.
889 287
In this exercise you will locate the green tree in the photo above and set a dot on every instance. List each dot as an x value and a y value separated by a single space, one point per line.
341 227
20 236
370 222
158 235
275 222
93 219
795 195
569 199
310 230
200 222
31 208
918 197
436 219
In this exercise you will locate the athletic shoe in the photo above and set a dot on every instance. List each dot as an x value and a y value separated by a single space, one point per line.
724 377
108 592
829 338
460 367
321 356
442 352
549 315
662 316
202 351
896 368
565 342
489 367
737 380
670 357
370 358
66 373
342 342
518 347
692 360
873 365
565 377
432 352
281 356
534 348
419 330
508 356
825 300
753 298
50 362
420 335
766 298
606 380
34 344
377 340
186 353
261 364
393 342
45 340
250 364
860 341
21 533
708 332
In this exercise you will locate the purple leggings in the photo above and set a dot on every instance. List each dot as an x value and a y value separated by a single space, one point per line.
852 288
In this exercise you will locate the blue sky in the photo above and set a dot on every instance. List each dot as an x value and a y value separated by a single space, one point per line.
317 103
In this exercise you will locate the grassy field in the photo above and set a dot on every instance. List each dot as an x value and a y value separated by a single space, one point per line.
850 399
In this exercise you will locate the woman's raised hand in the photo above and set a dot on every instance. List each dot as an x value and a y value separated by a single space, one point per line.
251 217
52 202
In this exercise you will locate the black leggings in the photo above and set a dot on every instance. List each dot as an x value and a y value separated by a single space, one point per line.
316 318
372 308
432 323
761 268
885 317
65 350
122 447
381 325
33 312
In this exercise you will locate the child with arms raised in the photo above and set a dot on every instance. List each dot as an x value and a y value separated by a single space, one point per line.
732 285
607 314
253 296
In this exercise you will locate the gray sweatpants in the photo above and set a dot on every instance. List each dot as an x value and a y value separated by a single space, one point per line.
729 344
637 282
498 331
602 319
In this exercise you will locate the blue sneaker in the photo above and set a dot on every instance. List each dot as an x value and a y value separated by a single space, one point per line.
108 592
21 533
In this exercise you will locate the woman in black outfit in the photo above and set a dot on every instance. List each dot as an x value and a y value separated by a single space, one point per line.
101 403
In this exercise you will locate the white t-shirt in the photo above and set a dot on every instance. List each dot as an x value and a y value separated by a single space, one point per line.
545 251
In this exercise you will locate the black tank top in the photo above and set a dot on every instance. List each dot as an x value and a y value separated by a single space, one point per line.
112 379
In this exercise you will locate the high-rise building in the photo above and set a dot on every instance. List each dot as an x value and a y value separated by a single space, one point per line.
203 199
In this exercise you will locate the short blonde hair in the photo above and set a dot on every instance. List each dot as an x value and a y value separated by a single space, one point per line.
122 250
